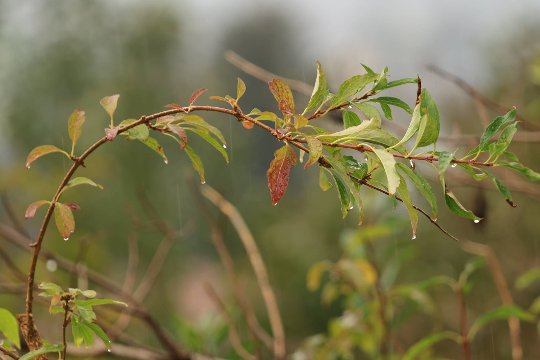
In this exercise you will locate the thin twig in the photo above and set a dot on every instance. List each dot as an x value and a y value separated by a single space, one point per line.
465 342
505 295
258 267
234 338
6 352
218 240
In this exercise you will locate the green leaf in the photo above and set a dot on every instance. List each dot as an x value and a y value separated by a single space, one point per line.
81 181
344 196
428 132
139 132
498 148
283 95
196 120
422 185
530 276
389 164
497 124
350 119
49 348
86 313
42 150
82 333
156 146
381 82
417 349
50 289
401 82
453 204
75 122
101 334
97 302
370 111
63 218
279 171
240 89
444 160
351 87
196 162
320 90
388 100
315 150
413 126
109 104
387 111
9 327
32 208
502 189
324 183
215 144
523 170
407 201
501 313
300 121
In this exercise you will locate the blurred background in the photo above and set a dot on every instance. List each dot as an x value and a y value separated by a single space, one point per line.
62 55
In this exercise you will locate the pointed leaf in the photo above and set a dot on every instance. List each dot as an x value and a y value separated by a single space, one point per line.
502 189
97 302
351 87
497 124
155 145
173 106
388 100
283 95
430 122
74 127
198 121
387 111
453 204
413 126
48 348
196 162
81 181
196 95
109 104
523 170
32 208
320 90
417 349
389 164
370 111
501 313
401 82
100 333
422 185
9 327
139 132
350 119
240 89
407 201
63 217
300 121
444 160
279 171
82 334
215 144
344 196
42 150
50 289
315 150
180 132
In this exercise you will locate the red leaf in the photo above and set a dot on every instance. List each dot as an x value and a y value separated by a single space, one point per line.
283 95
180 132
32 208
196 94
247 124
279 171
39 151
63 217
74 207
173 106
111 133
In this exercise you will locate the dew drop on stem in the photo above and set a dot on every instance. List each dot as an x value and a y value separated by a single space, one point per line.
412 164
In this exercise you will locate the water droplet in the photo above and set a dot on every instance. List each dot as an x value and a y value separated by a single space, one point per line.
66 238
351 207
224 146
476 221
366 159
28 166
454 165
411 163
349 107
109 350
51 265
203 182
166 161
274 204
414 237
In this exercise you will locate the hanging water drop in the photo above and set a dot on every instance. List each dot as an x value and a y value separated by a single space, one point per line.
51 265
351 207
412 164
349 107
109 350
453 165
165 161
476 221
28 167
66 238
224 146
274 204
414 237
203 182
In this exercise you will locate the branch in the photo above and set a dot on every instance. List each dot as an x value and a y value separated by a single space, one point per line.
6 352
258 267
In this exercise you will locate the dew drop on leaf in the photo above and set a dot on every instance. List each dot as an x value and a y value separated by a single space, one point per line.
109 350
352 207
224 146
66 238
414 237
28 166
411 164
349 107
166 161
51 265
203 182
453 165
476 221
274 204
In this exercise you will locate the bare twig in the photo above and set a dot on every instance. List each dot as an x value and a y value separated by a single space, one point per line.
255 328
234 338
502 287
258 267
6 352
465 343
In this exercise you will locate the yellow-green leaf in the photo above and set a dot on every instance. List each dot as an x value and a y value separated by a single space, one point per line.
240 89
283 95
315 150
320 90
74 127
42 150
196 162
109 104
389 164
32 208
9 327
63 217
